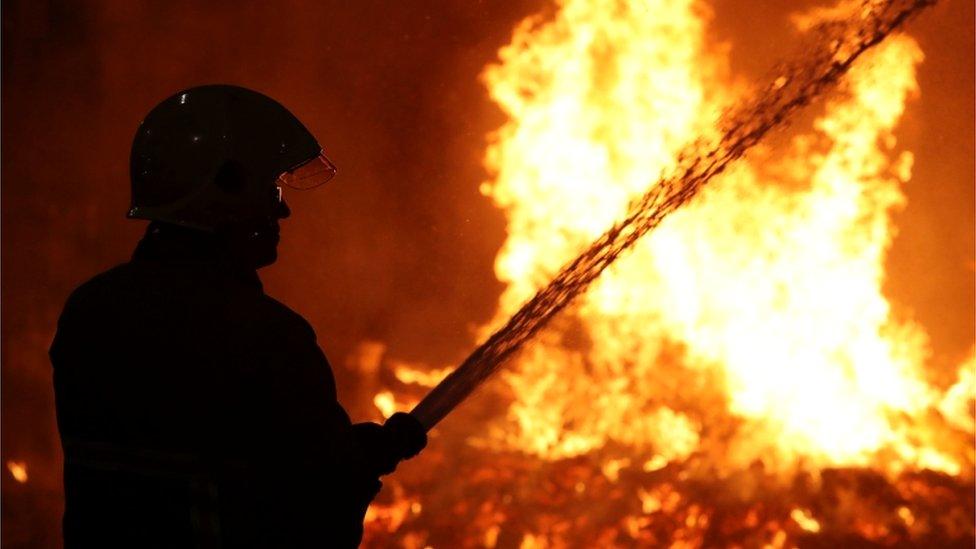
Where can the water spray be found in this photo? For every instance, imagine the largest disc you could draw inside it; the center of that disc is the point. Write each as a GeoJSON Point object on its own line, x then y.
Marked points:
{"type": "Point", "coordinates": [792, 85]}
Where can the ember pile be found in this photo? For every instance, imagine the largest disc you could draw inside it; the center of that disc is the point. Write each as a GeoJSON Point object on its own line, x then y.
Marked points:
{"type": "Point", "coordinates": [738, 378]}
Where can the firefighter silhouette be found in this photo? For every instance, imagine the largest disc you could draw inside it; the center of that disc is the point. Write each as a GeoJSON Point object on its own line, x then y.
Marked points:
{"type": "Point", "coordinates": [193, 409]}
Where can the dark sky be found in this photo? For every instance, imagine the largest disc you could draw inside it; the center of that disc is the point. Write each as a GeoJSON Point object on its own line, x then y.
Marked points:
{"type": "Point", "coordinates": [399, 247]}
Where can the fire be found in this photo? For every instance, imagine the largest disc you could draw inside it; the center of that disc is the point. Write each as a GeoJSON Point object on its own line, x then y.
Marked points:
{"type": "Point", "coordinates": [803, 518]}
{"type": "Point", "coordinates": [385, 403]}
{"type": "Point", "coordinates": [600, 100]}
{"type": "Point", "coordinates": [737, 379]}
{"type": "Point", "coordinates": [768, 287]}
{"type": "Point", "coordinates": [18, 470]}
{"type": "Point", "coordinates": [390, 517]}
{"type": "Point", "coordinates": [958, 405]}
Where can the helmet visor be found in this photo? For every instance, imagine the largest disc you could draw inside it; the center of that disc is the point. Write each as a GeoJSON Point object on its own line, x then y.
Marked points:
{"type": "Point", "coordinates": [309, 174]}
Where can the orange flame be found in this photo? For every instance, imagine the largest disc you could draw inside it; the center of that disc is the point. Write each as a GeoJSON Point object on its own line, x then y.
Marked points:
{"type": "Point", "coordinates": [769, 286]}
{"type": "Point", "coordinates": [744, 341]}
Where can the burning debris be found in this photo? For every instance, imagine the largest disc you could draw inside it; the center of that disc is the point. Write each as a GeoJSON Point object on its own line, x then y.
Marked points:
{"type": "Point", "coordinates": [737, 378]}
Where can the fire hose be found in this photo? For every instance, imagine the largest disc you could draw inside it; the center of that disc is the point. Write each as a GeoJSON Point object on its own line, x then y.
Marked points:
{"type": "Point", "coordinates": [792, 85]}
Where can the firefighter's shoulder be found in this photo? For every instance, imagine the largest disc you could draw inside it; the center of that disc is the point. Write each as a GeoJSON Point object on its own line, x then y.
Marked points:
{"type": "Point", "coordinates": [95, 288]}
{"type": "Point", "coordinates": [281, 317]}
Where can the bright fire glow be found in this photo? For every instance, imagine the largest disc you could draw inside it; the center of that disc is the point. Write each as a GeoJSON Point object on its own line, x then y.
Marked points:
{"type": "Point", "coordinates": [739, 378]}
{"type": "Point", "coordinates": [18, 470]}
{"type": "Point", "coordinates": [385, 403]}
{"type": "Point", "coordinates": [761, 301]}
{"type": "Point", "coordinates": [805, 520]}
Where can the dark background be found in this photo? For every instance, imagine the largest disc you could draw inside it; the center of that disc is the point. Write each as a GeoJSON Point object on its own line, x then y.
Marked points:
{"type": "Point", "coordinates": [399, 248]}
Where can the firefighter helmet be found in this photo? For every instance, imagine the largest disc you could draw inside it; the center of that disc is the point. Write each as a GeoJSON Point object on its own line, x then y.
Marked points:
{"type": "Point", "coordinates": [215, 155]}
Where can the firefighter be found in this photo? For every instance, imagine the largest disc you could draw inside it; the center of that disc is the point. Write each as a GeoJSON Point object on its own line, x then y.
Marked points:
{"type": "Point", "coordinates": [193, 409]}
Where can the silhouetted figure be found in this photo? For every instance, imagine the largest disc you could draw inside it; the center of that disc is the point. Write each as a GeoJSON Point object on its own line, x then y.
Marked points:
{"type": "Point", "coordinates": [194, 410]}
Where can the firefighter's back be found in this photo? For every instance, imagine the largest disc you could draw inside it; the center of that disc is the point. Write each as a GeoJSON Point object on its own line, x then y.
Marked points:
{"type": "Point", "coordinates": [177, 381]}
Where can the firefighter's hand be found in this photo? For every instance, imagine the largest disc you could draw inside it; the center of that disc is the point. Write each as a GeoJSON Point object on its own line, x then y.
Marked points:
{"type": "Point", "coordinates": [384, 446]}
{"type": "Point", "coordinates": [407, 434]}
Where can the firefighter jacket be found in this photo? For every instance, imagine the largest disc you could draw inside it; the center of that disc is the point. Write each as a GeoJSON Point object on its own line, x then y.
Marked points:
{"type": "Point", "coordinates": [196, 411]}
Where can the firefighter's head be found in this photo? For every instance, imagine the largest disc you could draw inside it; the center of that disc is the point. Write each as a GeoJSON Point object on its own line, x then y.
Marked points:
{"type": "Point", "coordinates": [215, 158]}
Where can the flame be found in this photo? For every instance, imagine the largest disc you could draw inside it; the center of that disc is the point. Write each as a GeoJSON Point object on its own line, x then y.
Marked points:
{"type": "Point", "coordinates": [805, 519]}
{"type": "Point", "coordinates": [600, 101]}
{"type": "Point", "coordinates": [385, 403]}
{"type": "Point", "coordinates": [18, 470]}
{"type": "Point", "coordinates": [389, 516]}
{"type": "Point", "coordinates": [959, 402]}
{"type": "Point", "coordinates": [410, 374]}
{"type": "Point", "coordinates": [388, 404]}
{"type": "Point", "coordinates": [739, 378]}
{"type": "Point", "coordinates": [769, 287]}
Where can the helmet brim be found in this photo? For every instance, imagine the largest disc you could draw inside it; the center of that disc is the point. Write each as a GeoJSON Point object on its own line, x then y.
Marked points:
{"type": "Point", "coordinates": [309, 174]}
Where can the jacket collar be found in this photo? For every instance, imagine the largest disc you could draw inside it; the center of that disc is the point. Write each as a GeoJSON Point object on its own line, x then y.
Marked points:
{"type": "Point", "coordinates": [192, 249]}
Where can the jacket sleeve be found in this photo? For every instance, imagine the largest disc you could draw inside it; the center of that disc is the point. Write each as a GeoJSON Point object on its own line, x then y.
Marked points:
{"type": "Point", "coordinates": [300, 388]}
{"type": "Point", "coordinates": [319, 463]}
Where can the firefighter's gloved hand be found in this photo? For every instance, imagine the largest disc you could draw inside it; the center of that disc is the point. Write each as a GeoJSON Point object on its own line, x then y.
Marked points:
{"type": "Point", "coordinates": [384, 446]}
{"type": "Point", "coordinates": [408, 435]}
